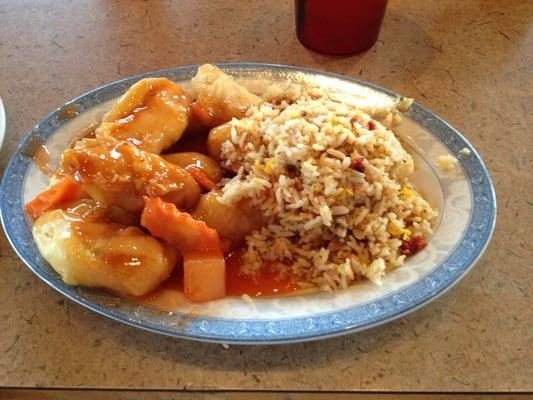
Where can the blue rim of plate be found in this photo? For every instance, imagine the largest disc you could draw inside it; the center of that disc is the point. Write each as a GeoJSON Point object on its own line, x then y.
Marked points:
{"type": "Point", "coordinates": [2, 122]}
{"type": "Point", "coordinates": [319, 326]}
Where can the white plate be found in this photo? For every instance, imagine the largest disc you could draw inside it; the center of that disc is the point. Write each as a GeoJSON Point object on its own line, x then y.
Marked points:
{"type": "Point", "coordinates": [465, 200]}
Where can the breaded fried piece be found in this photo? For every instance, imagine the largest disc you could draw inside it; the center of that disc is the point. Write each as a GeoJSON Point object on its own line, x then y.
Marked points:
{"type": "Point", "coordinates": [85, 248]}
{"type": "Point", "coordinates": [218, 97]}
{"type": "Point", "coordinates": [118, 173]}
{"type": "Point", "coordinates": [152, 115]}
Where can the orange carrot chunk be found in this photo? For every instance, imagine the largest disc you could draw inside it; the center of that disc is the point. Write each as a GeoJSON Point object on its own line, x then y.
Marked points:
{"type": "Point", "coordinates": [178, 228]}
{"type": "Point", "coordinates": [62, 191]}
{"type": "Point", "coordinates": [201, 178]}
{"type": "Point", "coordinates": [204, 276]}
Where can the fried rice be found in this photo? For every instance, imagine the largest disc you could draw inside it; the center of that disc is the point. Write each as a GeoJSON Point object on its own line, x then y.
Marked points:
{"type": "Point", "coordinates": [335, 186]}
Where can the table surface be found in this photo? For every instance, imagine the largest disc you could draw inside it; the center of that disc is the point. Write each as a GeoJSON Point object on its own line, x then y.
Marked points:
{"type": "Point", "coordinates": [468, 61]}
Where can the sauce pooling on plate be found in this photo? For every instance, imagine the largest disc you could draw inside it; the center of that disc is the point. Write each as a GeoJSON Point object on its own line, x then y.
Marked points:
{"type": "Point", "coordinates": [169, 295]}
{"type": "Point", "coordinates": [42, 160]}
{"type": "Point", "coordinates": [264, 283]}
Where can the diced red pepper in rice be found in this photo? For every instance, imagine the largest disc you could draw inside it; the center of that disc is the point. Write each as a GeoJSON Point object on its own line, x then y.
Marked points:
{"type": "Point", "coordinates": [372, 125]}
{"type": "Point", "coordinates": [358, 163]}
{"type": "Point", "coordinates": [413, 244]}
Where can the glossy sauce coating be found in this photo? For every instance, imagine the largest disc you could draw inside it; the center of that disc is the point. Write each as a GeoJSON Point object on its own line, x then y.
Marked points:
{"type": "Point", "coordinates": [90, 222]}
{"type": "Point", "coordinates": [152, 115]}
{"type": "Point", "coordinates": [68, 111]}
{"type": "Point", "coordinates": [112, 242]}
{"type": "Point", "coordinates": [82, 244]}
{"type": "Point", "coordinates": [232, 222]}
{"type": "Point", "coordinates": [265, 283]}
{"type": "Point", "coordinates": [42, 160]}
{"type": "Point", "coordinates": [118, 173]}
{"type": "Point", "coordinates": [200, 161]}
{"type": "Point", "coordinates": [217, 137]}
{"type": "Point", "coordinates": [169, 295]}
{"type": "Point", "coordinates": [123, 164]}
{"type": "Point", "coordinates": [87, 132]}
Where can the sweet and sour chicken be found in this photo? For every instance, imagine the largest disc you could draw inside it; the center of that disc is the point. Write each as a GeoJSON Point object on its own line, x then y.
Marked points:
{"type": "Point", "coordinates": [122, 214]}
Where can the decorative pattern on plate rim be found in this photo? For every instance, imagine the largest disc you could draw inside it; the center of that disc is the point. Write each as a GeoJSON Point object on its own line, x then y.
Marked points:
{"type": "Point", "coordinates": [350, 319]}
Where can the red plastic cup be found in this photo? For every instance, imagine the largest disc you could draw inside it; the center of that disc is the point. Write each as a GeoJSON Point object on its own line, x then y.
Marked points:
{"type": "Point", "coordinates": [339, 27]}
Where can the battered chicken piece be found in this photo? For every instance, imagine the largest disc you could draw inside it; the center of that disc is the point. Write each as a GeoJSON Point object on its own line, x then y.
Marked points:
{"type": "Point", "coordinates": [218, 97]}
{"type": "Point", "coordinates": [216, 138]}
{"type": "Point", "coordinates": [85, 248]}
{"type": "Point", "coordinates": [118, 173]}
{"type": "Point", "coordinates": [231, 222]}
{"type": "Point", "coordinates": [152, 114]}
{"type": "Point", "coordinates": [200, 161]}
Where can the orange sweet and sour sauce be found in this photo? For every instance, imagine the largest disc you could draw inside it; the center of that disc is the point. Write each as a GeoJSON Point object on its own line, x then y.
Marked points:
{"type": "Point", "coordinates": [169, 295]}
{"type": "Point", "coordinates": [265, 283]}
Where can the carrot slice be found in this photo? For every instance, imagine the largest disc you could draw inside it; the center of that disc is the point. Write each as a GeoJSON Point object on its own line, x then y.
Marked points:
{"type": "Point", "coordinates": [204, 276]}
{"type": "Point", "coordinates": [180, 229]}
{"type": "Point", "coordinates": [64, 190]}
{"type": "Point", "coordinates": [201, 177]}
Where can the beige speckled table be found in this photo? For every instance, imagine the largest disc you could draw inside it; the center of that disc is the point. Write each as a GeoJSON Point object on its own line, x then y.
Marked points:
{"type": "Point", "coordinates": [469, 61]}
